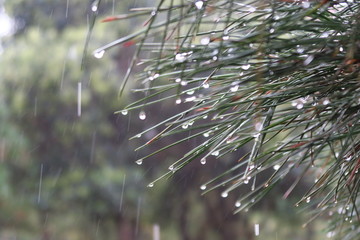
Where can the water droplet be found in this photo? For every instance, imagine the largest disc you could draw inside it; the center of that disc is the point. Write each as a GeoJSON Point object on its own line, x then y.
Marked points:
{"type": "Point", "coordinates": [190, 99]}
{"type": "Point", "coordinates": [252, 9]}
{"type": "Point", "coordinates": [276, 167]}
{"type": "Point", "coordinates": [330, 234]}
{"type": "Point", "coordinates": [199, 4]}
{"type": "Point", "coordinates": [224, 194]}
{"type": "Point", "coordinates": [150, 185]}
{"type": "Point", "coordinates": [225, 38]}
{"type": "Point", "coordinates": [178, 101]}
{"type": "Point", "coordinates": [237, 204]}
{"type": "Point", "coordinates": [326, 101]}
{"type": "Point", "coordinates": [257, 229]}
{"type": "Point", "coordinates": [180, 57]}
{"type": "Point", "coordinates": [205, 41]}
{"type": "Point", "coordinates": [178, 80]}
{"type": "Point", "coordinates": [139, 162]}
{"type": "Point", "coordinates": [153, 13]}
{"type": "Point", "coordinates": [190, 92]}
{"type": "Point", "coordinates": [245, 67]}
{"type": "Point", "coordinates": [99, 54]}
{"type": "Point", "coordinates": [124, 112]}
{"type": "Point", "coordinates": [156, 75]}
{"type": "Point", "coordinates": [215, 58]}
{"type": "Point", "coordinates": [203, 161]}
{"type": "Point", "coordinates": [341, 49]}
{"type": "Point", "coordinates": [305, 4]}
{"type": "Point", "coordinates": [203, 187]}
{"type": "Point", "coordinates": [205, 85]}
{"type": "Point", "coordinates": [272, 30]}
{"type": "Point", "coordinates": [251, 166]}
{"type": "Point", "coordinates": [299, 49]}
{"type": "Point", "coordinates": [215, 153]}
{"type": "Point", "coordinates": [207, 134]}
{"type": "Point", "coordinates": [234, 88]}
{"type": "Point", "coordinates": [142, 115]}
{"type": "Point", "coordinates": [185, 126]}
{"type": "Point", "coordinates": [171, 167]}
{"type": "Point", "coordinates": [94, 7]}
{"type": "Point", "coordinates": [308, 60]}
{"type": "Point", "coordinates": [205, 116]}
{"type": "Point", "coordinates": [308, 199]}
{"type": "Point", "coordinates": [246, 181]}
{"type": "Point", "coordinates": [183, 83]}
{"type": "Point", "coordinates": [138, 135]}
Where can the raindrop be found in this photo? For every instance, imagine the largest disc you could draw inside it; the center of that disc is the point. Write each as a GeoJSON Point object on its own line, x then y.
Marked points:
{"type": "Point", "coordinates": [183, 83]}
{"type": "Point", "coordinates": [326, 101]}
{"type": "Point", "coordinates": [225, 38]}
{"type": "Point", "coordinates": [257, 229]}
{"type": "Point", "coordinates": [185, 126]}
{"type": "Point", "coordinates": [180, 57]}
{"type": "Point", "coordinates": [138, 135]}
{"type": "Point", "coordinates": [156, 75]}
{"type": "Point", "coordinates": [153, 13]}
{"type": "Point", "coordinates": [205, 116]}
{"type": "Point", "coordinates": [203, 161]}
{"type": "Point", "coordinates": [308, 60]}
{"type": "Point", "coordinates": [234, 88]}
{"type": "Point", "coordinates": [246, 181]}
{"type": "Point", "coordinates": [190, 99]}
{"type": "Point", "coordinates": [178, 80]}
{"type": "Point", "coordinates": [308, 199]}
{"type": "Point", "coordinates": [205, 41]}
{"type": "Point", "coordinates": [94, 7]}
{"type": "Point", "coordinates": [79, 99]}
{"type": "Point", "coordinates": [272, 30]}
{"type": "Point", "coordinates": [99, 54]}
{"type": "Point", "coordinates": [171, 167]}
{"type": "Point", "coordinates": [251, 166]}
{"type": "Point", "coordinates": [150, 185]}
{"type": "Point", "coordinates": [199, 4]}
{"type": "Point", "coordinates": [139, 162]}
{"type": "Point", "coordinates": [178, 101]}
{"type": "Point", "coordinates": [124, 112]}
{"type": "Point", "coordinates": [252, 9]}
{"type": "Point", "coordinates": [215, 153]}
{"type": "Point", "coordinates": [276, 167]}
{"type": "Point", "coordinates": [142, 115]}
{"type": "Point", "coordinates": [305, 4]}
{"type": "Point", "coordinates": [215, 58]}
{"type": "Point", "coordinates": [203, 187]}
{"type": "Point", "coordinates": [341, 49]}
{"type": "Point", "coordinates": [205, 85]}
{"type": "Point", "coordinates": [207, 134]}
{"type": "Point", "coordinates": [237, 204]}
{"type": "Point", "coordinates": [245, 67]}
{"type": "Point", "coordinates": [191, 92]}
{"type": "Point", "coordinates": [224, 194]}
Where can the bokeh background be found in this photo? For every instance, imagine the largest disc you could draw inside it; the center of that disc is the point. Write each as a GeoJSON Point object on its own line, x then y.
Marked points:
{"type": "Point", "coordinates": [70, 174]}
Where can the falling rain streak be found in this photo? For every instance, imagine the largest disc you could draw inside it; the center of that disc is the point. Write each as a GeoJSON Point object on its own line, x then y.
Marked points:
{"type": "Point", "coordinates": [79, 99]}
{"type": "Point", "coordinates": [138, 216]}
{"type": "Point", "coordinates": [122, 193]}
{"type": "Point", "coordinates": [257, 229]}
{"type": "Point", "coordinates": [40, 183]}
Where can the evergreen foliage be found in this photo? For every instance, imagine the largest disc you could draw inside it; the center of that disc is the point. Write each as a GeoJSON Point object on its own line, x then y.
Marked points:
{"type": "Point", "coordinates": [278, 77]}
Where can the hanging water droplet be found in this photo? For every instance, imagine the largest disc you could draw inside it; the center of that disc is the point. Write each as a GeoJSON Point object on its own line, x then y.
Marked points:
{"type": "Point", "coordinates": [205, 41]}
{"type": "Point", "coordinates": [305, 4]}
{"type": "Point", "coordinates": [178, 80]}
{"type": "Point", "coordinates": [203, 187]}
{"type": "Point", "coordinates": [272, 30]}
{"type": "Point", "coordinates": [199, 4]}
{"type": "Point", "coordinates": [207, 134]}
{"type": "Point", "coordinates": [185, 126]}
{"type": "Point", "coordinates": [142, 115]}
{"type": "Point", "coordinates": [183, 83]}
{"type": "Point", "coordinates": [190, 99]}
{"type": "Point", "coordinates": [245, 67]}
{"type": "Point", "coordinates": [205, 116]}
{"type": "Point", "coordinates": [99, 54]}
{"type": "Point", "coordinates": [276, 167]}
{"type": "Point", "coordinates": [251, 166]}
{"type": "Point", "coordinates": [150, 185]}
{"type": "Point", "coordinates": [308, 199]}
{"type": "Point", "coordinates": [246, 181]}
{"type": "Point", "coordinates": [326, 101]}
{"type": "Point", "coordinates": [237, 204]}
{"type": "Point", "coordinates": [215, 153]}
{"type": "Point", "coordinates": [139, 162]}
{"type": "Point", "coordinates": [190, 92]}
{"type": "Point", "coordinates": [330, 234]}
{"type": "Point", "coordinates": [225, 38]}
{"type": "Point", "coordinates": [94, 6]}
{"type": "Point", "coordinates": [308, 60]}
{"type": "Point", "coordinates": [203, 161]}
{"type": "Point", "coordinates": [252, 9]}
{"type": "Point", "coordinates": [180, 57]}
{"type": "Point", "coordinates": [341, 49]}
{"type": "Point", "coordinates": [214, 58]}
{"type": "Point", "coordinates": [124, 112]}
{"type": "Point", "coordinates": [153, 13]}
{"type": "Point", "coordinates": [205, 85]}
{"type": "Point", "coordinates": [171, 167]}
{"type": "Point", "coordinates": [234, 88]}
{"type": "Point", "coordinates": [138, 135]}
{"type": "Point", "coordinates": [299, 49]}
{"type": "Point", "coordinates": [178, 101]}
{"type": "Point", "coordinates": [224, 194]}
